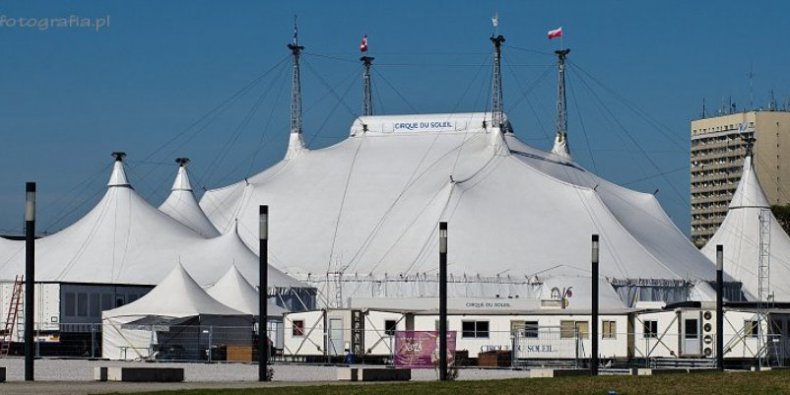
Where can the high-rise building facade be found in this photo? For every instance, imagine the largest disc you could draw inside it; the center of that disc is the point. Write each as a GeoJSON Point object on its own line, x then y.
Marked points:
{"type": "Point", "coordinates": [718, 147]}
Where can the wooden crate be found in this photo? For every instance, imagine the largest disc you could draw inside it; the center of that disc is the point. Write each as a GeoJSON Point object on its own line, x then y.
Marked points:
{"type": "Point", "coordinates": [494, 358]}
{"type": "Point", "coordinates": [241, 353]}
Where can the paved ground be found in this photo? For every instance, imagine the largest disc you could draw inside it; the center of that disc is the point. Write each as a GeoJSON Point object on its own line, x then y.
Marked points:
{"type": "Point", "coordinates": [76, 376]}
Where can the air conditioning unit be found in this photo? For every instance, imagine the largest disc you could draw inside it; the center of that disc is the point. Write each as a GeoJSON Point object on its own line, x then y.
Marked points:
{"type": "Point", "coordinates": [708, 333]}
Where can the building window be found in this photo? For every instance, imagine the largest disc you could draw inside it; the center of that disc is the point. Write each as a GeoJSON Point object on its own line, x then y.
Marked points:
{"type": "Point", "coordinates": [650, 329]}
{"type": "Point", "coordinates": [390, 326]}
{"type": "Point", "coordinates": [750, 328]}
{"type": "Point", "coordinates": [95, 306]}
{"type": "Point", "coordinates": [531, 329]}
{"type": "Point", "coordinates": [609, 329]}
{"type": "Point", "coordinates": [82, 304]}
{"type": "Point", "coordinates": [474, 329]}
{"type": "Point", "coordinates": [71, 305]}
{"type": "Point", "coordinates": [298, 328]}
{"type": "Point", "coordinates": [569, 329]}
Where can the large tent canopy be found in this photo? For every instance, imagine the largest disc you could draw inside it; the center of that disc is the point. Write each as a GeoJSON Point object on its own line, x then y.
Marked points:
{"type": "Point", "coordinates": [364, 213]}
{"type": "Point", "coordinates": [739, 234]}
{"type": "Point", "coordinates": [125, 240]}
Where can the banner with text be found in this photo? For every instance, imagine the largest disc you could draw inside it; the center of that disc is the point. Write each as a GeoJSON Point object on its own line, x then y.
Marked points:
{"type": "Point", "coordinates": [420, 349]}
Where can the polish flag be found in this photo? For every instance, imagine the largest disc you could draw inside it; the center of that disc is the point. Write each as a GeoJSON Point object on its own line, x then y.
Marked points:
{"type": "Point", "coordinates": [555, 33]}
{"type": "Point", "coordinates": [363, 46]}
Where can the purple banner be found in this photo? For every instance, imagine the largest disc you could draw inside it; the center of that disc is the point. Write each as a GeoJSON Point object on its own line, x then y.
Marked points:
{"type": "Point", "coordinates": [420, 349]}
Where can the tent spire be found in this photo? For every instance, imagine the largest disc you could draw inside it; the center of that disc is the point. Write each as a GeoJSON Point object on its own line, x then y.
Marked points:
{"type": "Point", "coordinates": [118, 176]}
{"type": "Point", "coordinates": [181, 182]}
{"type": "Point", "coordinates": [561, 147]}
{"type": "Point", "coordinates": [296, 142]}
{"type": "Point", "coordinates": [367, 96]}
{"type": "Point", "coordinates": [497, 104]}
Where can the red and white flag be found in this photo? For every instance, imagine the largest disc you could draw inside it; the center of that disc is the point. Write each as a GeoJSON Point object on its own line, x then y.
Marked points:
{"type": "Point", "coordinates": [555, 33]}
{"type": "Point", "coordinates": [363, 46]}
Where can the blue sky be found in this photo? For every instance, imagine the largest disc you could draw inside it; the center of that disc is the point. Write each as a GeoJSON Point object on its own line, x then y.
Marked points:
{"type": "Point", "coordinates": [70, 96]}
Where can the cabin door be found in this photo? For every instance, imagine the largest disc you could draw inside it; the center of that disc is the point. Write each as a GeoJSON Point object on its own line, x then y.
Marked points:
{"type": "Point", "coordinates": [335, 343]}
{"type": "Point", "coordinates": [690, 339]}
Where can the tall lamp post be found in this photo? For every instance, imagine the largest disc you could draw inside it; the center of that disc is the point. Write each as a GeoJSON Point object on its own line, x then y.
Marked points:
{"type": "Point", "coordinates": [263, 281]}
{"type": "Point", "coordinates": [720, 306]}
{"type": "Point", "coordinates": [594, 332]}
{"type": "Point", "coordinates": [443, 301]}
{"type": "Point", "coordinates": [30, 276]}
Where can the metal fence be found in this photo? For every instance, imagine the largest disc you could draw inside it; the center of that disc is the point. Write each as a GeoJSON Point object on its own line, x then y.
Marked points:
{"type": "Point", "coordinates": [549, 346]}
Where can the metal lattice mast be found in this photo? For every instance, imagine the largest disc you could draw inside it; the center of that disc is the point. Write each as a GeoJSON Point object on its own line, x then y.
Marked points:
{"type": "Point", "coordinates": [562, 103]}
{"type": "Point", "coordinates": [296, 86]}
{"type": "Point", "coordinates": [764, 260]}
{"type": "Point", "coordinates": [497, 103]}
{"type": "Point", "coordinates": [367, 95]}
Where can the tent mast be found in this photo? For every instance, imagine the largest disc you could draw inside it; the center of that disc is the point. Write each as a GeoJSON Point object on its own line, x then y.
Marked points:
{"type": "Point", "coordinates": [561, 139]}
{"type": "Point", "coordinates": [367, 96]}
{"type": "Point", "coordinates": [497, 103]}
{"type": "Point", "coordinates": [296, 142]}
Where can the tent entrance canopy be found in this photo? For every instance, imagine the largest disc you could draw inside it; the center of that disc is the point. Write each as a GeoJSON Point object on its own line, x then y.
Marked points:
{"type": "Point", "coordinates": [158, 323]}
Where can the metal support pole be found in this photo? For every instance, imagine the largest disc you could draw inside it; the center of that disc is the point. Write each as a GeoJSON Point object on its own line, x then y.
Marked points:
{"type": "Point", "coordinates": [263, 335]}
{"type": "Point", "coordinates": [719, 306]}
{"type": "Point", "coordinates": [30, 277]}
{"type": "Point", "coordinates": [594, 331]}
{"type": "Point", "coordinates": [443, 301]}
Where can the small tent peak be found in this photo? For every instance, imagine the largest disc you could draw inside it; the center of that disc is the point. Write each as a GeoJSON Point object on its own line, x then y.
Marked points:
{"type": "Point", "coordinates": [749, 192]}
{"type": "Point", "coordinates": [181, 182]}
{"type": "Point", "coordinates": [118, 176]}
{"type": "Point", "coordinates": [561, 147]}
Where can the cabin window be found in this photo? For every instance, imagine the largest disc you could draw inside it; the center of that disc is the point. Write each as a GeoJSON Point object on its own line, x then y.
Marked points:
{"type": "Point", "coordinates": [298, 328]}
{"type": "Point", "coordinates": [474, 329]}
{"type": "Point", "coordinates": [569, 329]}
{"type": "Point", "coordinates": [609, 329]}
{"type": "Point", "coordinates": [750, 328]}
{"type": "Point", "coordinates": [390, 326]}
{"type": "Point", "coordinates": [531, 329]}
{"type": "Point", "coordinates": [650, 329]}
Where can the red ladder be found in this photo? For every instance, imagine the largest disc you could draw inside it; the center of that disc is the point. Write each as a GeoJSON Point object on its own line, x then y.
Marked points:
{"type": "Point", "coordinates": [11, 317]}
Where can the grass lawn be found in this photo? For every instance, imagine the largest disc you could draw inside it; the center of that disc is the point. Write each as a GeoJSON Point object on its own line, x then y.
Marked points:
{"type": "Point", "coordinates": [773, 382]}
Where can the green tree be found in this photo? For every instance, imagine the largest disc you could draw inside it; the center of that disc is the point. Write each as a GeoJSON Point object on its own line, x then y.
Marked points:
{"type": "Point", "coordinates": [782, 214]}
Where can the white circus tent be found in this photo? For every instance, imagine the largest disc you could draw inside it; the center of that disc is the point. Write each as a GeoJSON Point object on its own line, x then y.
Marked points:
{"type": "Point", "coordinates": [172, 313]}
{"type": "Point", "coordinates": [234, 291]}
{"type": "Point", "coordinates": [182, 206]}
{"type": "Point", "coordinates": [359, 218]}
{"type": "Point", "coordinates": [124, 240]}
{"type": "Point", "coordinates": [740, 235]}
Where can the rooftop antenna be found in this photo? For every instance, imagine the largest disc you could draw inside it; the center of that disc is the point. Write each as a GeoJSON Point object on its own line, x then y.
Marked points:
{"type": "Point", "coordinates": [772, 104]}
{"type": "Point", "coordinates": [703, 108]}
{"type": "Point", "coordinates": [497, 98]}
{"type": "Point", "coordinates": [296, 142]}
{"type": "Point", "coordinates": [367, 61]}
{"type": "Point", "coordinates": [561, 140]}
{"type": "Point", "coordinates": [119, 155]}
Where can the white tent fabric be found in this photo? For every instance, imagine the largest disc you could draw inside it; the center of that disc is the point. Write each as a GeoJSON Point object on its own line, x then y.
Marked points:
{"type": "Point", "coordinates": [234, 291]}
{"type": "Point", "coordinates": [368, 208]}
{"type": "Point", "coordinates": [561, 147]}
{"type": "Point", "coordinates": [739, 233]}
{"type": "Point", "coordinates": [124, 240]}
{"type": "Point", "coordinates": [177, 296]}
{"type": "Point", "coordinates": [182, 206]}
